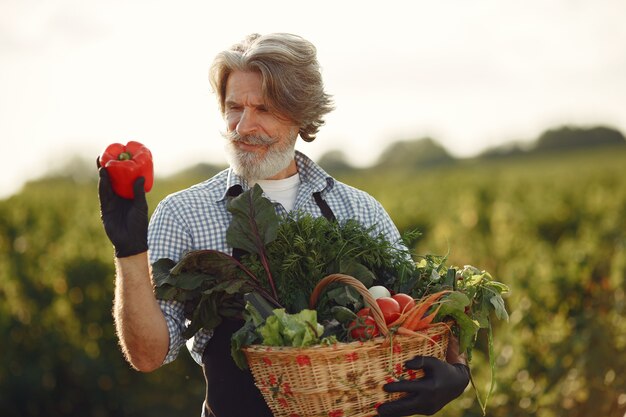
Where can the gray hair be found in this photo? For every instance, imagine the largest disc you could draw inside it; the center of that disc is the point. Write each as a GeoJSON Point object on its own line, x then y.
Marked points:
{"type": "Point", "coordinates": [292, 82]}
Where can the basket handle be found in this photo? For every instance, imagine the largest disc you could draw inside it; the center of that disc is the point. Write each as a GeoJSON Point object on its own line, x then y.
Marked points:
{"type": "Point", "coordinates": [375, 310]}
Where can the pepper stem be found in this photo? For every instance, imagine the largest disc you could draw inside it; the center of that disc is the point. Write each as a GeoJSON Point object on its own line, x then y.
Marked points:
{"type": "Point", "coordinates": [124, 156]}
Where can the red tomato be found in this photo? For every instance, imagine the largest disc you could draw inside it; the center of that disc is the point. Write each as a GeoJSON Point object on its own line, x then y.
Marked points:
{"type": "Point", "coordinates": [390, 308]}
{"type": "Point", "coordinates": [363, 328]}
{"type": "Point", "coordinates": [406, 301]}
{"type": "Point", "coordinates": [364, 312]}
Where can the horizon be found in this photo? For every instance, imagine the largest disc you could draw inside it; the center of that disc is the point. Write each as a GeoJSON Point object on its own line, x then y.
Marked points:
{"type": "Point", "coordinates": [76, 166]}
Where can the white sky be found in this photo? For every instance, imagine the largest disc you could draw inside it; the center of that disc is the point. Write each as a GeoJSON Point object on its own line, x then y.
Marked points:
{"type": "Point", "coordinates": [76, 75]}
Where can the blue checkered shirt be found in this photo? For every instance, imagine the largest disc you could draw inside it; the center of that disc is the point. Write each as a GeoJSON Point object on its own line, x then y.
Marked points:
{"type": "Point", "coordinates": [197, 218]}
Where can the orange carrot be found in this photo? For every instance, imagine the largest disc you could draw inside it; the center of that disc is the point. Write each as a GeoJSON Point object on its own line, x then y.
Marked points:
{"type": "Point", "coordinates": [403, 316]}
{"type": "Point", "coordinates": [426, 320]}
{"type": "Point", "coordinates": [417, 313]}
{"type": "Point", "coordinates": [405, 332]}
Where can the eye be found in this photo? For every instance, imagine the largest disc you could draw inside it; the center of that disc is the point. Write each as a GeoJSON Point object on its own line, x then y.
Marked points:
{"type": "Point", "coordinates": [232, 107]}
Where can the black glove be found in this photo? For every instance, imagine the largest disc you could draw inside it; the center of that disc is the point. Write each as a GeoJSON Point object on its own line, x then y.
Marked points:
{"type": "Point", "coordinates": [440, 384]}
{"type": "Point", "coordinates": [125, 221]}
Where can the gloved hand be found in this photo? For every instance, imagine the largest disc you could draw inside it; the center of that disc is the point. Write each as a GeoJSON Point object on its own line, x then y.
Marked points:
{"type": "Point", "coordinates": [125, 221]}
{"type": "Point", "coordinates": [441, 383]}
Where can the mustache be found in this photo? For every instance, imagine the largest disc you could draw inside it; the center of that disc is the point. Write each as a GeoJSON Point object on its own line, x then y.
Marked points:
{"type": "Point", "coordinates": [249, 139]}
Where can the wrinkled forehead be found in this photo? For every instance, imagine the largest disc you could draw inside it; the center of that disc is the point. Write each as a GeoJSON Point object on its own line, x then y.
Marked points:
{"type": "Point", "coordinates": [244, 86]}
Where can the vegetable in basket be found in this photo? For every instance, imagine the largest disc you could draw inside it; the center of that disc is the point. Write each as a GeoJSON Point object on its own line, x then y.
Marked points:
{"type": "Point", "coordinates": [312, 248]}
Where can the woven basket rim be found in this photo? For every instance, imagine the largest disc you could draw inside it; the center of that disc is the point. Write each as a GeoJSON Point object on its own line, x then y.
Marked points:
{"type": "Point", "coordinates": [434, 330]}
{"type": "Point", "coordinates": [370, 301]}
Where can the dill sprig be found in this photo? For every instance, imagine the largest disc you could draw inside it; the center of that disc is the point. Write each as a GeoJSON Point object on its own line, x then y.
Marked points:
{"type": "Point", "coordinates": [306, 249]}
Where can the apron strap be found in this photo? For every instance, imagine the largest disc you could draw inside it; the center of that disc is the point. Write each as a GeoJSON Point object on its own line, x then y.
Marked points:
{"type": "Point", "coordinates": [323, 205]}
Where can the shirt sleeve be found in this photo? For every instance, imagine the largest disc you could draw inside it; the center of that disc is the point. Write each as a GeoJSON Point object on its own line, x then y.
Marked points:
{"type": "Point", "coordinates": [175, 319]}
{"type": "Point", "coordinates": [168, 237]}
{"type": "Point", "coordinates": [387, 227]}
{"type": "Point", "coordinates": [173, 312]}
{"type": "Point", "coordinates": [168, 234]}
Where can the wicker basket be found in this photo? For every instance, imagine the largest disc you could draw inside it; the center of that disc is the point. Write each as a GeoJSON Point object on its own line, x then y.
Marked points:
{"type": "Point", "coordinates": [344, 379]}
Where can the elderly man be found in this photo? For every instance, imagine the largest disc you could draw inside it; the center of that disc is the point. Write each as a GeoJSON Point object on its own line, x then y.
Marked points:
{"type": "Point", "coordinates": [270, 91]}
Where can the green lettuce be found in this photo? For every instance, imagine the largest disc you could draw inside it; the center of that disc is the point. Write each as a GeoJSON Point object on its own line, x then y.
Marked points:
{"type": "Point", "coordinates": [297, 330]}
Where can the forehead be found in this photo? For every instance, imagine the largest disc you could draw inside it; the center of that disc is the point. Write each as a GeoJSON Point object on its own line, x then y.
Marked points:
{"type": "Point", "coordinates": [244, 86]}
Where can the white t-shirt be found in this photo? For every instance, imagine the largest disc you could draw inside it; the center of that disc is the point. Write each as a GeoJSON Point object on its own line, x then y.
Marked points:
{"type": "Point", "coordinates": [283, 191]}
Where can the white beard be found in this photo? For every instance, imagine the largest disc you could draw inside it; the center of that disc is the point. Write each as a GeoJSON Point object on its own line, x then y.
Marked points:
{"type": "Point", "coordinates": [253, 167]}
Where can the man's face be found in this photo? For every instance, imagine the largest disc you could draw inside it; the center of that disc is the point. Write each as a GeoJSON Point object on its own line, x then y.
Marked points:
{"type": "Point", "coordinates": [260, 145]}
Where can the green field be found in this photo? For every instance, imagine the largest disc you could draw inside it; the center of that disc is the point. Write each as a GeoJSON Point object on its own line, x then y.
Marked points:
{"type": "Point", "coordinates": [552, 226]}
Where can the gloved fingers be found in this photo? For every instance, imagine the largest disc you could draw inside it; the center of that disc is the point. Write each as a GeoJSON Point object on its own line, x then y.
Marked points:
{"type": "Point", "coordinates": [462, 375]}
{"type": "Point", "coordinates": [138, 189]}
{"type": "Point", "coordinates": [98, 162]}
{"type": "Point", "coordinates": [105, 190]}
{"type": "Point", "coordinates": [402, 407]}
{"type": "Point", "coordinates": [463, 369]}
{"type": "Point", "coordinates": [139, 202]}
{"type": "Point", "coordinates": [138, 186]}
{"type": "Point", "coordinates": [442, 382]}
{"type": "Point", "coordinates": [416, 385]}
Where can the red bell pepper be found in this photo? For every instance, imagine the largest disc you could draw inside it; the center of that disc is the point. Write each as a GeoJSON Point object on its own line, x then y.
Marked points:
{"type": "Point", "coordinates": [126, 163]}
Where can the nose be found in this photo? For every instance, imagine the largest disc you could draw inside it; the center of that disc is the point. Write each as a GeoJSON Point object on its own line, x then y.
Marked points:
{"type": "Point", "coordinates": [247, 123]}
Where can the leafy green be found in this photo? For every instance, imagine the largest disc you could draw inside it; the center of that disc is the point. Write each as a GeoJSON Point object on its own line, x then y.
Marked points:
{"type": "Point", "coordinates": [307, 248]}
{"type": "Point", "coordinates": [476, 297]}
{"type": "Point", "coordinates": [298, 330]}
{"type": "Point", "coordinates": [253, 226]}
{"type": "Point", "coordinates": [247, 335]}
{"type": "Point", "coordinates": [254, 223]}
{"type": "Point", "coordinates": [278, 329]}
{"type": "Point", "coordinates": [212, 283]}
{"type": "Point", "coordinates": [454, 305]}
{"type": "Point", "coordinates": [261, 307]}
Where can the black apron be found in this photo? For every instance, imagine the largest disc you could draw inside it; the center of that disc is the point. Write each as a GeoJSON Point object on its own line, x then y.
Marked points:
{"type": "Point", "coordinates": [230, 391]}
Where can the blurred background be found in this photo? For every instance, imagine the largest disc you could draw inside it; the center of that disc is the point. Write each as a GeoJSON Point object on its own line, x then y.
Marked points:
{"type": "Point", "coordinates": [501, 124]}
